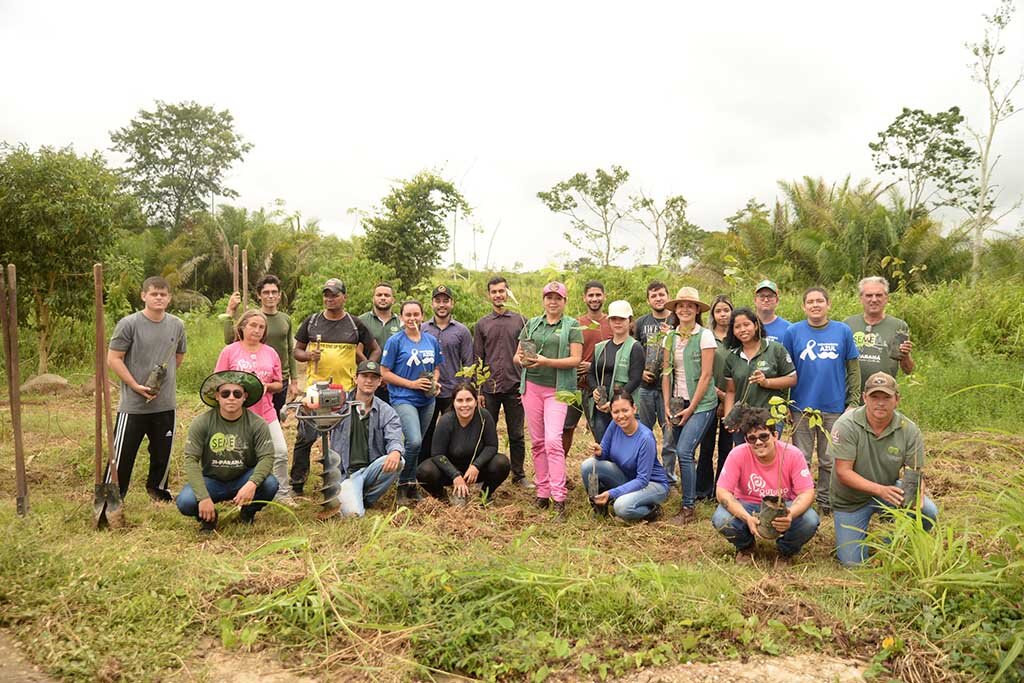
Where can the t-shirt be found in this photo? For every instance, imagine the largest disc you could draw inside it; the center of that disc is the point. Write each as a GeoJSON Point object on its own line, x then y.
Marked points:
{"type": "Point", "coordinates": [772, 359]}
{"type": "Point", "coordinates": [148, 344]}
{"type": "Point", "coordinates": [820, 355]}
{"type": "Point", "coordinates": [547, 337]}
{"type": "Point", "coordinates": [602, 370]}
{"type": "Point", "coordinates": [381, 331]}
{"type": "Point", "coordinates": [337, 347]}
{"type": "Point", "coordinates": [411, 360]}
{"type": "Point", "coordinates": [224, 449]}
{"type": "Point", "coordinates": [636, 455]}
{"type": "Point", "coordinates": [264, 363]}
{"type": "Point", "coordinates": [707, 341]}
{"type": "Point", "coordinates": [359, 441]}
{"type": "Point", "coordinates": [776, 329]}
{"type": "Point", "coordinates": [645, 331]}
{"type": "Point", "coordinates": [591, 337]}
{"type": "Point", "coordinates": [876, 458]}
{"type": "Point", "coordinates": [279, 338]}
{"type": "Point", "coordinates": [456, 447]}
{"type": "Point", "coordinates": [875, 342]}
{"type": "Point", "coordinates": [750, 480]}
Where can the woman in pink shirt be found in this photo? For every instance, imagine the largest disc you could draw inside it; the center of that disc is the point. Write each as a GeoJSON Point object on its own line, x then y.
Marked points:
{"type": "Point", "coordinates": [250, 354]}
{"type": "Point", "coordinates": [764, 466]}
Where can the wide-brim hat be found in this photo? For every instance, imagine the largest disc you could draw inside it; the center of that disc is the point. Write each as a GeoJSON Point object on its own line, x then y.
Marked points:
{"type": "Point", "coordinates": [252, 384]}
{"type": "Point", "coordinates": [688, 294]}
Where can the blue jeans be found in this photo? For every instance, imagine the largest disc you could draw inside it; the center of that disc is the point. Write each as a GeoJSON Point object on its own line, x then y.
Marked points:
{"type": "Point", "coordinates": [651, 409]}
{"type": "Point", "coordinates": [220, 491]}
{"type": "Point", "coordinates": [801, 530]}
{"type": "Point", "coordinates": [690, 435]}
{"type": "Point", "coordinates": [415, 420]}
{"type": "Point", "coordinates": [364, 487]}
{"type": "Point", "coordinates": [635, 505]}
{"type": "Point", "coordinates": [852, 528]}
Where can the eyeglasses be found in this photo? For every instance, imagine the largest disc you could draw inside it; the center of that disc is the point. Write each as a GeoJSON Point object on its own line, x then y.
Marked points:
{"type": "Point", "coordinates": [231, 393]}
{"type": "Point", "coordinates": [766, 296]}
{"type": "Point", "coordinates": [763, 437]}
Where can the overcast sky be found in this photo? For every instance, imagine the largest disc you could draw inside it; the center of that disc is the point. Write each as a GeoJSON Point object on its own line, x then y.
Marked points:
{"type": "Point", "coordinates": [716, 103]}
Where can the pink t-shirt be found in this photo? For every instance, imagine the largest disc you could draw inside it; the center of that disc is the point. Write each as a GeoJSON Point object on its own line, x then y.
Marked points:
{"type": "Point", "coordinates": [264, 363]}
{"type": "Point", "coordinates": [750, 481]}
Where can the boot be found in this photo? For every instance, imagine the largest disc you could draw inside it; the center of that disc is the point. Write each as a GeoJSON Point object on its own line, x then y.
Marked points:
{"type": "Point", "coordinates": [560, 511]}
{"type": "Point", "coordinates": [542, 503]}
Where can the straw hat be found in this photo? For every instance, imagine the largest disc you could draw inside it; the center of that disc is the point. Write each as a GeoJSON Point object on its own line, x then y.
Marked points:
{"type": "Point", "coordinates": [252, 384]}
{"type": "Point", "coordinates": [688, 294]}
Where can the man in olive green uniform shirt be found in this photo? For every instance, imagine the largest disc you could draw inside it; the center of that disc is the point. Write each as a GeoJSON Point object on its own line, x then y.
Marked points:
{"type": "Point", "coordinates": [883, 341]}
{"type": "Point", "coordinates": [382, 323]}
{"type": "Point", "coordinates": [871, 446]}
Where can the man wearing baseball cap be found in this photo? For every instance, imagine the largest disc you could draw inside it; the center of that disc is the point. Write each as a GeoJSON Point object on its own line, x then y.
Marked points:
{"type": "Point", "coordinates": [456, 348]}
{"type": "Point", "coordinates": [766, 300]}
{"type": "Point", "coordinates": [872, 445]}
{"type": "Point", "coordinates": [229, 453]}
{"type": "Point", "coordinates": [326, 342]}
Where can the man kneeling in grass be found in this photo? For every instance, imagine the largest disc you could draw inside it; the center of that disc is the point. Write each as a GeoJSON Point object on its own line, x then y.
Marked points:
{"type": "Point", "coordinates": [229, 453]}
{"type": "Point", "coordinates": [872, 445]}
{"type": "Point", "coordinates": [630, 478]}
{"type": "Point", "coordinates": [764, 467]}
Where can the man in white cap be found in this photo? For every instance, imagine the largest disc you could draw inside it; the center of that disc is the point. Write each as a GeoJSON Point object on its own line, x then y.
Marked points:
{"type": "Point", "coordinates": [872, 446]}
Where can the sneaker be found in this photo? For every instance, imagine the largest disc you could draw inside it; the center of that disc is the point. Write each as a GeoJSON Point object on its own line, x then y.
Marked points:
{"type": "Point", "coordinates": [686, 516]}
{"type": "Point", "coordinates": [560, 515]}
{"type": "Point", "coordinates": [403, 498]}
{"type": "Point", "coordinates": [159, 495]}
{"type": "Point", "coordinates": [745, 557]}
{"type": "Point", "coordinates": [654, 515]}
{"type": "Point", "coordinates": [415, 493]}
{"type": "Point", "coordinates": [783, 561]}
{"type": "Point", "coordinates": [288, 500]}
{"type": "Point", "coordinates": [542, 503]}
{"type": "Point", "coordinates": [248, 517]}
{"type": "Point", "coordinates": [297, 489]}
{"type": "Point", "coordinates": [524, 483]}
{"type": "Point", "coordinates": [208, 527]}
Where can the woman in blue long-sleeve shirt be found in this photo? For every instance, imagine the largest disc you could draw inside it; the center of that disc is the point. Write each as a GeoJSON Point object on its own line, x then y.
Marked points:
{"type": "Point", "coordinates": [630, 477]}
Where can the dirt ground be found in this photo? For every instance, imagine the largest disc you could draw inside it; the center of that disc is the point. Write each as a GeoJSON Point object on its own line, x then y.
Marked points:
{"type": "Point", "coordinates": [14, 666]}
{"type": "Point", "coordinates": [795, 669]}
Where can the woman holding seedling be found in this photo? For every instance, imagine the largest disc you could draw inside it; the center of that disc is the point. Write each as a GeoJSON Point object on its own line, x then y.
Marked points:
{"type": "Point", "coordinates": [629, 476]}
{"type": "Point", "coordinates": [687, 385]}
{"type": "Point", "coordinates": [707, 472]}
{"type": "Point", "coordinates": [756, 369]}
{"type": "Point", "coordinates": [618, 364]}
{"type": "Point", "coordinates": [550, 349]}
{"type": "Point", "coordinates": [411, 366]}
{"type": "Point", "coordinates": [250, 354]}
{"type": "Point", "coordinates": [464, 450]}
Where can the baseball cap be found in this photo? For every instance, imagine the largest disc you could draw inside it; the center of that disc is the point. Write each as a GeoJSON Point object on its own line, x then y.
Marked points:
{"type": "Point", "coordinates": [557, 288]}
{"type": "Point", "coordinates": [334, 285]}
{"type": "Point", "coordinates": [442, 290]}
{"type": "Point", "coordinates": [369, 366]}
{"type": "Point", "coordinates": [620, 309]}
{"type": "Point", "coordinates": [766, 284]}
{"type": "Point", "coordinates": [881, 381]}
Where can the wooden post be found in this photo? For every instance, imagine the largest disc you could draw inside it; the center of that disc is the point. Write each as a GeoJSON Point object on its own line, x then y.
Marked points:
{"type": "Point", "coordinates": [10, 330]}
{"type": "Point", "coordinates": [97, 279]}
{"type": "Point", "coordinates": [234, 269]}
{"type": "Point", "coordinates": [245, 280]}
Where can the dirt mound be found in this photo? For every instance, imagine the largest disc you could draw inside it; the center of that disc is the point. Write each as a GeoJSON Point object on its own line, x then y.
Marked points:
{"type": "Point", "coordinates": [795, 669]}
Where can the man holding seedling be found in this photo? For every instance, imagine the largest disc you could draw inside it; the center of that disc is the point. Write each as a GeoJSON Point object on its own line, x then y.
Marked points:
{"type": "Point", "coordinates": [883, 341]}
{"type": "Point", "coordinates": [650, 330]}
{"type": "Point", "coordinates": [229, 453]}
{"type": "Point", "coordinates": [872, 446]}
{"type": "Point", "coordinates": [145, 351]}
{"type": "Point", "coordinates": [457, 349]}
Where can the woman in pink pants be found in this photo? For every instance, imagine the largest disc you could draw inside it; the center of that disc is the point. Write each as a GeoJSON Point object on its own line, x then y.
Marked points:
{"type": "Point", "coordinates": [553, 348]}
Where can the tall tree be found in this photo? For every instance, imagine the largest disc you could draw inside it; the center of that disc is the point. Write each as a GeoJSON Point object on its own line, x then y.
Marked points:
{"type": "Point", "coordinates": [177, 156]}
{"type": "Point", "coordinates": [675, 237]}
{"type": "Point", "coordinates": [58, 214]}
{"type": "Point", "coordinates": [596, 220]}
{"type": "Point", "coordinates": [929, 157]}
{"type": "Point", "coordinates": [408, 231]}
{"type": "Point", "coordinates": [984, 71]}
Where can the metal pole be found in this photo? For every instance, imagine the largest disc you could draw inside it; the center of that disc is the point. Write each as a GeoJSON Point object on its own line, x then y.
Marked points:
{"type": "Point", "coordinates": [14, 385]}
{"type": "Point", "coordinates": [245, 279]}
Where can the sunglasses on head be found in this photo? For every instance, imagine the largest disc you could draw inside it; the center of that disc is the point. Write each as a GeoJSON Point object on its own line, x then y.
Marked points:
{"type": "Point", "coordinates": [763, 436]}
{"type": "Point", "coordinates": [231, 393]}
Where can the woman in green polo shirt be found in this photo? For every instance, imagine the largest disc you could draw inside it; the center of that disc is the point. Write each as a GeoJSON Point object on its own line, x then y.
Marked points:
{"type": "Point", "coordinates": [755, 369]}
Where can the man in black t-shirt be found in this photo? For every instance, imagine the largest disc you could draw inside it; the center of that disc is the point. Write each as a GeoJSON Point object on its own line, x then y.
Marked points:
{"type": "Point", "coordinates": [649, 330]}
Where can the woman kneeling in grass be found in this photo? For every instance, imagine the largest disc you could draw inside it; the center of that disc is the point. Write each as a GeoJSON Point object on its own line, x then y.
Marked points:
{"type": "Point", "coordinates": [630, 477]}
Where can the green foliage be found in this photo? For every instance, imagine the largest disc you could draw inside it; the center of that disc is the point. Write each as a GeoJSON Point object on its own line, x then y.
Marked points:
{"type": "Point", "coordinates": [408, 232]}
{"type": "Point", "coordinates": [595, 226]}
{"type": "Point", "coordinates": [58, 214]}
{"type": "Point", "coordinates": [177, 156]}
{"type": "Point", "coordinates": [675, 237]}
{"type": "Point", "coordinates": [359, 275]}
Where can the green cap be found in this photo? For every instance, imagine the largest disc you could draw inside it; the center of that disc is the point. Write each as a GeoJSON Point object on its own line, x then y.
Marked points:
{"type": "Point", "coordinates": [766, 284]}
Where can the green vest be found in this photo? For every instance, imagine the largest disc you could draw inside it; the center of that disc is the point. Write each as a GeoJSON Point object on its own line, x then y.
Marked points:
{"type": "Point", "coordinates": [565, 378]}
{"type": "Point", "coordinates": [692, 366]}
{"type": "Point", "coordinates": [621, 374]}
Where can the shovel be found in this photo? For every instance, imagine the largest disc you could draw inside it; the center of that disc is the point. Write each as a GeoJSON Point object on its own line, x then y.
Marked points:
{"type": "Point", "coordinates": [107, 506]}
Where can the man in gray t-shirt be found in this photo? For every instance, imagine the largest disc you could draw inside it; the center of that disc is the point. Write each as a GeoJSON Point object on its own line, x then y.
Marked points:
{"type": "Point", "coordinates": [145, 351]}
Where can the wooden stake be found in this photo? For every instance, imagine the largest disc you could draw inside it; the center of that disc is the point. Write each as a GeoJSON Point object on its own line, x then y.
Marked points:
{"type": "Point", "coordinates": [97, 277]}
{"type": "Point", "coordinates": [245, 280]}
{"type": "Point", "coordinates": [14, 386]}
{"type": "Point", "coordinates": [234, 269]}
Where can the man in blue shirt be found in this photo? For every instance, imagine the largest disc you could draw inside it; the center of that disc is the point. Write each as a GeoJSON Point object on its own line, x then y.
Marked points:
{"type": "Point", "coordinates": [828, 381]}
{"type": "Point", "coordinates": [457, 349]}
{"type": "Point", "coordinates": [766, 300]}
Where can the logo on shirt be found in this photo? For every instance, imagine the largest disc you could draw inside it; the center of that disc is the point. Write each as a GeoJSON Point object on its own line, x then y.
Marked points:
{"type": "Point", "coordinates": [420, 357]}
{"type": "Point", "coordinates": [824, 351]}
{"type": "Point", "coordinates": [757, 486]}
{"type": "Point", "coordinates": [223, 442]}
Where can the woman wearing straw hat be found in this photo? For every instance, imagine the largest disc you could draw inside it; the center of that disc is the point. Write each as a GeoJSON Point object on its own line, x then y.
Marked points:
{"type": "Point", "coordinates": [690, 398]}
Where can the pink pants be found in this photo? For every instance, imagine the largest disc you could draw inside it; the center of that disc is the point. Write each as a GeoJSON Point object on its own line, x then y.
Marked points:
{"type": "Point", "coordinates": [545, 418]}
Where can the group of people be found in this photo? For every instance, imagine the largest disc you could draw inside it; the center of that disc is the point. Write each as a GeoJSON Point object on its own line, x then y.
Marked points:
{"type": "Point", "coordinates": [413, 416]}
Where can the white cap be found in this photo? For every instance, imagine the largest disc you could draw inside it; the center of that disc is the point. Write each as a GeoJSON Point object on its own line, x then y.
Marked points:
{"type": "Point", "coordinates": [620, 309]}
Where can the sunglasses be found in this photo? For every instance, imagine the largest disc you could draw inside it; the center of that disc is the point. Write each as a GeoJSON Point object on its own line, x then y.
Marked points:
{"type": "Point", "coordinates": [763, 437]}
{"type": "Point", "coordinates": [231, 393]}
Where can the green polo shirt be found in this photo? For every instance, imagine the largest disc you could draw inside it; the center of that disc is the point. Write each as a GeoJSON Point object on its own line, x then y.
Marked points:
{"type": "Point", "coordinates": [547, 339]}
{"type": "Point", "coordinates": [875, 343]}
{"type": "Point", "coordinates": [381, 331]}
{"type": "Point", "coordinates": [772, 359]}
{"type": "Point", "coordinates": [880, 459]}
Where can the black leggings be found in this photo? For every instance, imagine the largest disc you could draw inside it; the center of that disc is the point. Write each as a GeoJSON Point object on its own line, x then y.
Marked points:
{"type": "Point", "coordinates": [433, 479]}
